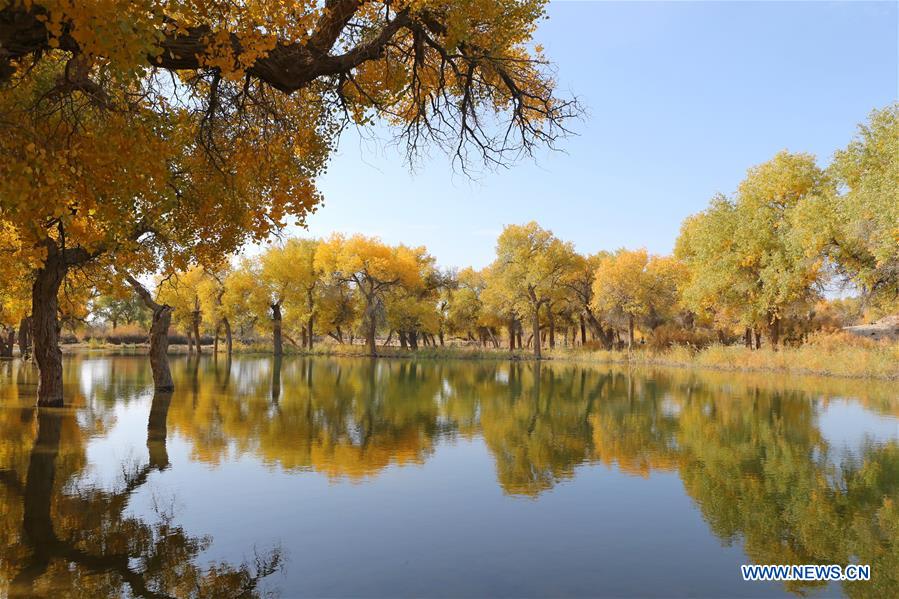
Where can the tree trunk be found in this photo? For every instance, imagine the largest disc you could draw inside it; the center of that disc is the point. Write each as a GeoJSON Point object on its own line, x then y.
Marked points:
{"type": "Point", "coordinates": [512, 335]}
{"type": "Point", "coordinates": [277, 343]}
{"type": "Point", "coordinates": [310, 304]}
{"type": "Point", "coordinates": [747, 337]}
{"type": "Point", "coordinates": [440, 333]}
{"type": "Point", "coordinates": [413, 340]}
{"type": "Point", "coordinates": [229, 343]}
{"type": "Point", "coordinates": [25, 338]}
{"type": "Point", "coordinates": [583, 331]}
{"type": "Point", "coordinates": [215, 340]}
{"type": "Point", "coordinates": [45, 326]}
{"type": "Point", "coordinates": [552, 330]}
{"type": "Point", "coordinates": [403, 343]}
{"type": "Point", "coordinates": [758, 339]}
{"type": "Point", "coordinates": [159, 337]}
{"type": "Point", "coordinates": [630, 332]}
{"type": "Point", "coordinates": [536, 334]}
{"type": "Point", "coordinates": [196, 326]}
{"type": "Point", "coordinates": [774, 331]}
{"type": "Point", "coordinates": [190, 341]}
{"type": "Point", "coordinates": [370, 334]}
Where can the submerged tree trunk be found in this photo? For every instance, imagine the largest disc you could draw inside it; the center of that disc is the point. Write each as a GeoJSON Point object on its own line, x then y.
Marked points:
{"type": "Point", "coordinates": [25, 338]}
{"type": "Point", "coordinates": [277, 343]}
{"type": "Point", "coordinates": [159, 337]}
{"type": "Point", "coordinates": [45, 326]}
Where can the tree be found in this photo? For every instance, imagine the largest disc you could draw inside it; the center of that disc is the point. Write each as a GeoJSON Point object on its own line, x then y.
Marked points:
{"type": "Point", "coordinates": [620, 287]}
{"type": "Point", "coordinates": [182, 291]}
{"type": "Point", "coordinates": [372, 268]}
{"type": "Point", "coordinates": [115, 159]}
{"type": "Point", "coordinates": [749, 254]}
{"type": "Point", "coordinates": [857, 224]}
{"type": "Point", "coordinates": [530, 263]}
{"type": "Point", "coordinates": [120, 307]}
{"type": "Point", "coordinates": [288, 275]}
{"type": "Point", "coordinates": [578, 280]}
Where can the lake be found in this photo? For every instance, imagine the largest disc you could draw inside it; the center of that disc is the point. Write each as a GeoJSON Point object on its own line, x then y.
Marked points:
{"type": "Point", "coordinates": [352, 477]}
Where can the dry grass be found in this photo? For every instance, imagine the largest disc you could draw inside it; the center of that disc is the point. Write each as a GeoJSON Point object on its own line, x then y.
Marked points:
{"type": "Point", "coordinates": [836, 354]}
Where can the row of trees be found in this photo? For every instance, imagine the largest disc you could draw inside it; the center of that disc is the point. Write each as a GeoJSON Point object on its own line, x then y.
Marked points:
{"type": "Point", "coordinates": [750, 266]}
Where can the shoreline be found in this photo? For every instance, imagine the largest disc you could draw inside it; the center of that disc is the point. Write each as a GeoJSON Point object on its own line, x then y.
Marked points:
{"type": "Point", "coordinates": [874, 361]}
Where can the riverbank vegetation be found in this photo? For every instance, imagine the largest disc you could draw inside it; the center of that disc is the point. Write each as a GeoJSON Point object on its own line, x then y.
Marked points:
{"type": "Point", "coordinates": [746, 287]}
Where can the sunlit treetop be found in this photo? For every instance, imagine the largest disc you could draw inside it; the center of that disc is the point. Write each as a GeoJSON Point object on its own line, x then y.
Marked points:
{"type": "Point", "coordinates": [434, 68]}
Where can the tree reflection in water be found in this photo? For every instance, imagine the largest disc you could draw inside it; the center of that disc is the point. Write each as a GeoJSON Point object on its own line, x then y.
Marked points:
{"type": "Point", "coordinates": [62, 536]}
{"type": "Point", "coordinates": [749, 450]}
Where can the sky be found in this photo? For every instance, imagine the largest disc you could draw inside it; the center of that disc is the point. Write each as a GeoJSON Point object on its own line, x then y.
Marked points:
{"type": "Point", "coordinates": [681, 99]}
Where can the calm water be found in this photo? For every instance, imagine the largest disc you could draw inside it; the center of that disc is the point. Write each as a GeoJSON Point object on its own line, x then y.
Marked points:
{"type": "Point", "coordinates": [354, 478]}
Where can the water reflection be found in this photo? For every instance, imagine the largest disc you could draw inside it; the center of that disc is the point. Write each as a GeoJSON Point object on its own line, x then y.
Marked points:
{"type": "Point", "coordinates": [749, 451]}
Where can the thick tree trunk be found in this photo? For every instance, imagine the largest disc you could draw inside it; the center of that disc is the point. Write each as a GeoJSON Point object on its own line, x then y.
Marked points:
{"type": "Point", "coordinates": [190, 341]}
{"type": "Point", "coordinates": [45, 326]}
{"type": "Point", "coordinates": [25, 338]}
{"type": "Point", "coordinates": [159, 348]}
{"type": "Point", "coordinates": [512, 335]}
{"type": "Point", "coordinates": [413, 339]}
{"type": "Point", "coordinates": [536, 334]}
{"type": "Point", "coordinates": [747, 337]}
{"type": "Point", "coordinates": [370, 334]}
{"type": "Point", "coordinates": [758, 339]}
{"type": "Point", "coordinates": [277, 343]}
{"type": "Point", "coordinates": [583, 331]}
{"type": "Point", "coordinates": [402, 336]}
{"type": "Point", "coordinates": [159, 337]}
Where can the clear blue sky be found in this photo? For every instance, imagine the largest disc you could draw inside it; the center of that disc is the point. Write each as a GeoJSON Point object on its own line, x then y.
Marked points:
{"type": "Point", "coordinates": [682, 98]}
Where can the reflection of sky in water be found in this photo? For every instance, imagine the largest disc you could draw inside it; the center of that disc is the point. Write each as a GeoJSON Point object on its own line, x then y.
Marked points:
{"type": "Point", "coordinates": [846, 425]}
